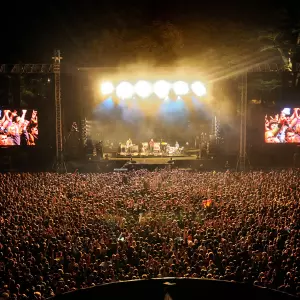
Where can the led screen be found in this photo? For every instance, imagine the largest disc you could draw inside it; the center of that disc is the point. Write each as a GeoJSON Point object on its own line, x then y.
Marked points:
{"type": "Point", "coordinates": [283, 127]}
{"type": "Point", "coordinates": [18, 127]}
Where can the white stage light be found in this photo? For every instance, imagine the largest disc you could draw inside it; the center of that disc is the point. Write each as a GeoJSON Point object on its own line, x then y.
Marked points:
{"type": "Point", "coordinates": [143, 89]}
{"type": "Point", "coordinates": [198, 88]}
{"type": "Point", "coordinates": [107, 88]}
{"type": "Point", "coordinates": [162, 89]}
{"type": "Point", "coordinates": [181, 88]}
{"type": "Point", "coordinates": [124, 90]}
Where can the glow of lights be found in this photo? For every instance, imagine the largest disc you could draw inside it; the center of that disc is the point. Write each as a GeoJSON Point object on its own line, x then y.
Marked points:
{"type": "Point", "coordinates": [198, 88]}
{"type": "Point", "coordinates": [124, 90]}
{"type": "Point", "coordinates": [162, 89]}
{"type": "Point", "coordinates": [107, 88]}
{"type": "Point", "coordinates": [181, 88]}
{"type": "Point", "coordinates": [143, 89]}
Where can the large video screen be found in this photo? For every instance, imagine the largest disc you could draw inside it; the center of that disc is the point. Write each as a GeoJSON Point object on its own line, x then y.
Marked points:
{"type": "Point", "coordinates": [18, 127]}
{"type": "Point", "coordinates": [283, 127]}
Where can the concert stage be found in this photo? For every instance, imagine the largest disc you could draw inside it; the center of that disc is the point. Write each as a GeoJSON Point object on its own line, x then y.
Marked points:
{"type": "Point", "coordinates": [154, 160]}
{"type": "Point", "coordinates": [126, 164]}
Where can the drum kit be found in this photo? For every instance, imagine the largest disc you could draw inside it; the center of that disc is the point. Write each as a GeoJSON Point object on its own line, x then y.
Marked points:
{"type": "Point", "coordinates": [171, 151]}
{"type": "Point", "coordinates": [129, 149]}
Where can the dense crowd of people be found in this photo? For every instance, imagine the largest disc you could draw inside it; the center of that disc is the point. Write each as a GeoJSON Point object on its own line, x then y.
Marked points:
{"type": "Point", "coordinates": [62, 232]}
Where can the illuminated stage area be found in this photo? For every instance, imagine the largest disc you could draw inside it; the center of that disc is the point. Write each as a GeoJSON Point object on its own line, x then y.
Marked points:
{"type": "Point", "coordinates": [150, 118]}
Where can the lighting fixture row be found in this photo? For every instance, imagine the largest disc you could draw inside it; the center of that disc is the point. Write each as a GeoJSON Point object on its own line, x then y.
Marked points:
{"type": "Point", "coordinates": [144, 89]}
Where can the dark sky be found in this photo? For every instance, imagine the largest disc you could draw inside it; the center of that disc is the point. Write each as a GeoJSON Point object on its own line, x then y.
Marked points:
{"type": "Point", "coordinates": [29, 31]}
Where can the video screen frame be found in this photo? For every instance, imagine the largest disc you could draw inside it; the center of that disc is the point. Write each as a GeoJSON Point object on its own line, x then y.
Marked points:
{"type": "Point", "coordinates": [18, 127]}
{"type": "Point", "coordinates": [283, 127]}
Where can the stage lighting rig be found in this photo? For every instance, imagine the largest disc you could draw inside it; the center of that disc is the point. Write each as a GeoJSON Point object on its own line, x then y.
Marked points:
{"type": "Point", "coordinates": [162, 89]}
{"type": "Point", "coordinates": [181, 88]}
{"type": "Point", "coordinates": [143, 88]}
{"type": "Point", "coordinates": [107, 88]}
{"type": "Point", "coordinates": [198, 88]}
{"type": "Point", "coordinates": [125, 90]}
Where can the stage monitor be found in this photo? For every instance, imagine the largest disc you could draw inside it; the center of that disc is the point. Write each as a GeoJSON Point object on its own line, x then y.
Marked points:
{"type": "Point", "coordinates": [283, 127]}
{"type": "Point", "coordinates": [18, 127]}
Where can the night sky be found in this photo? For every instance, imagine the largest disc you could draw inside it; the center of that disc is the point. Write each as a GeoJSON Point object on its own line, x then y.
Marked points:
{"type": "Point", "coordinates": [31, 30]}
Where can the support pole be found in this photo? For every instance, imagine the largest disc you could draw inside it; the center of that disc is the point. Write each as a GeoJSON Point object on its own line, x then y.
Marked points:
{"type": "Point", "coordinates": [242, 158]}
{"type": "Point", "coordinates": [59, 164]}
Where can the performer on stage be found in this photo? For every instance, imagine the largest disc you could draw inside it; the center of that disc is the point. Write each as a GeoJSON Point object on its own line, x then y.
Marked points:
{"type": "Point", "coordinates": [128, 145]}
{"type": "Point", "coordinates": [151, 146]}
{"type": "Point", "coordinates": [99, 150]}
{"type": "Point", "coordinates": [163, 146]}
{"type": "Point", "coordinates": [177, 145]}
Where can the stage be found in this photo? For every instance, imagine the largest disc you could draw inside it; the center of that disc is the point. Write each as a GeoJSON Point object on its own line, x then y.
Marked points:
{"type": "Point", "coordinates": [96, 165]}
{"type": "Point", "coordinates": [154, 160]}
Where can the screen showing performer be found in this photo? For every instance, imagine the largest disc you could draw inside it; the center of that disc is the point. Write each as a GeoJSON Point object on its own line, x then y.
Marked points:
{"type": "Point", "coordinates": [18, 127]}
{"type": "Point", "coordinates": [283, 127]}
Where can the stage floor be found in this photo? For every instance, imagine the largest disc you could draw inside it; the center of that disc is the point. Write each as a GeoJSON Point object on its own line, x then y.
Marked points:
{"type": "Point", "coordinates": [154, 160]}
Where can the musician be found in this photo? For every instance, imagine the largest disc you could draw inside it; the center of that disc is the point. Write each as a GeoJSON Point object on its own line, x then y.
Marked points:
{"type": "Point", "coordinates": [99, 149]}
{"type": "Point", "coordinates": [177, 145]}
{"type": "Point", "coordinates": [128, 145]}
{"type": "Point", "coordinates": [163, 146]}
{"type": "Point", "coordinates": [120, 148]}
{"type": "Point", "coordinates": [151, 146]}
{"type": "Point", "coordinates": [74, 127]}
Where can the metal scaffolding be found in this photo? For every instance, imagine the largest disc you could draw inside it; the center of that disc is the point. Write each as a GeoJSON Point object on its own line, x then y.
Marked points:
{"type": "Point", "coordinates": [59, 163]}
{"type": "Point", "coordinates": [26, 68]}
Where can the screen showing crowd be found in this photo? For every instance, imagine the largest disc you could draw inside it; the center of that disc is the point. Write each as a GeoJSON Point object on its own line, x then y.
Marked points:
{"type": "Point", "coordinates": [283, 127]}
{"type": "Point", "coordinates": [18, 127]}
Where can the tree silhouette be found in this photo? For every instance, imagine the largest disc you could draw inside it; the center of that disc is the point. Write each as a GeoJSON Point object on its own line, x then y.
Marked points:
{"type": "Point", "coordinates": [34, 89]}
{"type": "Point", "coordinates": [285, 40]}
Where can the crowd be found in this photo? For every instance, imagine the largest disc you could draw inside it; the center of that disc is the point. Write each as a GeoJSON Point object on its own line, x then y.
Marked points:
{"type": "Point", "coordinates": [60, 233]}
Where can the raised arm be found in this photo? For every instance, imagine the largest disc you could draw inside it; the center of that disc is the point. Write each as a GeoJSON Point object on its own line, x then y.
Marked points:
{"type": "Point", "coordinates": [24, 111]}
{"type": "Point", "coordinates": [34, 118]}
{"type": "Point", "coordinates": [6, 115]}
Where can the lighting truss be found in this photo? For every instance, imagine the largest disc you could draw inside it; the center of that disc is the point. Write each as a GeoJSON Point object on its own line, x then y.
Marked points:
{"type": "Point", "coordinates": [26, 68]}
{"type": "Point", "coordinates": [59, 163]}
{"type": "Point", "coordinates": [145, 89]}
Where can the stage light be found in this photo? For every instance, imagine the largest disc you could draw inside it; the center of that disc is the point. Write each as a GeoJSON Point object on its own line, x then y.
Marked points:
{"type": "Point", "coordinates": [124, 90]}
{"type": "Point", "coordinates": [181, 88]}
{"type": "Point", "coordinates": [143, 89]}
{"type": "Point", "coordinates": [107, 88]}
{"type": "Point", "coordinates": [162, 89]}
{"type": "Point", "coordinates": [198, 88]}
